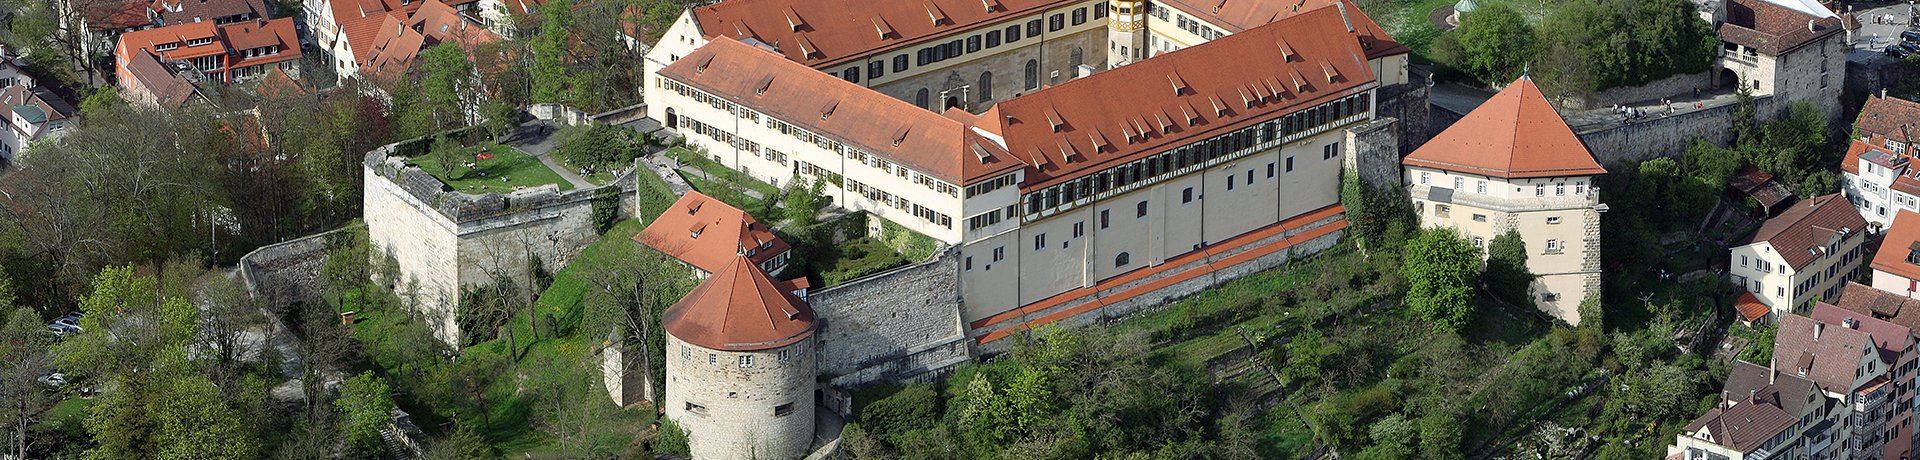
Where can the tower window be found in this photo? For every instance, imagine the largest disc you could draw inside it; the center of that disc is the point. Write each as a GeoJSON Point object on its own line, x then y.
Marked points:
{"type": "Point", "coordinates": [783, 410]}
{"type": "Point", "coordinates": [696, 408]}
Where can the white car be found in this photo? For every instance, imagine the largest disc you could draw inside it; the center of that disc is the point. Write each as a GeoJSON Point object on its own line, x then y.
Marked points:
{"type": "Point", "coordinates": [55, 380]}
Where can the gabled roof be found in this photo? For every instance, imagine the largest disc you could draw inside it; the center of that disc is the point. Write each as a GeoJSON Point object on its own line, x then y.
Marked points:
{"type": "Point", "coordinates": [1761, 409]}
{"type": "Point", "coordinates": [115, 15]}
{"type": "Point", "coordinates": [386, 40]}
{"type": "Point", "coordinates": [1891, 117]}
{"type": "Point", "coordinates": [1902, 238]}
{"type": "Point", "coordinates": [278, 84]}
{"type": "Point", "coordinates": [1750, 308]}
{"type": "Point", "coordinates": [836, 30]}
{"type": "Point", "coordinates": [1888, 338]}
{"type": "Point", "coordinates": [1758, 184]}
{"type": "Point", "coordinates": [1893, 308]}
{"type": "Point", "coordinates": [1829, 360]}
{"type": "Point", "coordinates": [1238, 15]}
{"type": "Point", "coordinates": [897, 130]}
{"type": "Point", "coordinates": [1150, 106]}
{"type": "Point", "coordinates": [1515, 134]}
{"type": "Point", "coordinates": [707, 233]}
{"type": "Point", "coordinates": [170, 91]}
{"type": "Point", "coordinates": [206, 10]}
{"type": "Point", "coordinates": [149, 40]}
{"type": "Point", "coordinates": [739, 308]}
{"type": "Point", "coordinates": [1800, 234]}
{"type": "Point", "coordinates": [1774, 28]}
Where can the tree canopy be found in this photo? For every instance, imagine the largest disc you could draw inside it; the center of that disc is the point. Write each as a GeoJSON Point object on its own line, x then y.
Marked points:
{"type": "Point", "coordinates": [1440, 269]}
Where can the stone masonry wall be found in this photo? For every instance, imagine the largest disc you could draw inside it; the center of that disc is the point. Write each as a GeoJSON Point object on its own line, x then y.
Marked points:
{"type": "Point", "coordinates": [1668, 136]}
{"type": "Point", "coordinates": [287, 272]}
{"type": "Point", "coordinates": [897, 326]}
{"type": "Point", "coordinates": [1412, 104]}
{"type": "Point", "coordinates": [1373, 152]}
{"type": "Point", "coordinates": [446, 240]}
{"type": "Point", "coordinates": [1676, 85]}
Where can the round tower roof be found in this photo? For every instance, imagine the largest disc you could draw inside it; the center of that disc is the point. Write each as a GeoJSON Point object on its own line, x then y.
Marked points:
{"type": "Point", "coordinates": [739, 308]}
{"type": "Point", "coordinates": [1465, 6]}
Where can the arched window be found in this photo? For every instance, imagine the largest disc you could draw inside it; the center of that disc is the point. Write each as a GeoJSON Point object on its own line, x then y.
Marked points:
{"type": "Point", "coordinates": [1078, 57]}
{"type": "Point", "coordinates": [1033, 74]}
{"type": "Point", "coordinates": [986, 86]}
{"type": "Point", "coordinates": [673, 121]}
{"type": "Point", "coordinates": [1122, 260]}
{"type": "Point", "coordinates": [920, 98]}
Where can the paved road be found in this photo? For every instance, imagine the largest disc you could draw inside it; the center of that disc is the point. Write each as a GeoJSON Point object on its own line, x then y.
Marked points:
{"type": "Point", "coordinates": [1458, 98]}
{"type": "Point", "coordinates": [536, 138]}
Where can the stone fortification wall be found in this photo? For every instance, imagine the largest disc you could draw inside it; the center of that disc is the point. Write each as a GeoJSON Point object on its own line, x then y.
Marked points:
{"type": "Point", "coordinates": [287, 272]}
{"type": "Point", "coordinates": [1373, 152]}
{"type": "Point", "coordinates": [1668, 136]}
{"type": "Point", "coordinates": [445, 240]}
{"type": "Point", "coordinates": [1678, 85]}
{"type": "Point", "coordinates": [897, 326]}
{"type": "Point", "coordinates": [1412, 104]}
{"type": "Point", "coordinates": [742, 405]}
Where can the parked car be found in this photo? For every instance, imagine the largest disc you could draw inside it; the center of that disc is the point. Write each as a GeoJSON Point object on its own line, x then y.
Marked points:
{"type": "Point", "coordinates": [55, 379]}
{"type": "Point", "coordinates": [71, 324]}
{"type": "Point", "coordinates": [1897, 52]}
{"type": "Point", "coordinates": [1910, 35]}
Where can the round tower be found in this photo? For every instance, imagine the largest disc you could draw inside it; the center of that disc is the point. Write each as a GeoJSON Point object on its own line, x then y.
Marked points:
{"type": "Point", "coordinates": [741, 367]}
{"type": "Point", "coordinates": [1126, 31]}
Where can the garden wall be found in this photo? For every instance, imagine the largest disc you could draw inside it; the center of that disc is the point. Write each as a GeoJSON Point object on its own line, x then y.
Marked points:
{"type": "Point", "coordinates": [1412, 104]}
{"type": "Point", "coordinates": [288, 272]}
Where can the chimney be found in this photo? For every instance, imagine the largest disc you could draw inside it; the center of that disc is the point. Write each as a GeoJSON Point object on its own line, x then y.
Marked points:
{"type": "Point", "coordinates": [1752, 393]}
{"type": "Point", "coordinates": [1724, 402]}
{"type": "Point", "coordinates": [1810, 26]}
{"type": "Point", "coordinates": [1850, 323]}
{"type": "Point", "coordinates": [1883, 95]}
{"type": "Point", "coordinates": [1817, 327]}
{"type": "Point", "coordinates": [1772, 374]}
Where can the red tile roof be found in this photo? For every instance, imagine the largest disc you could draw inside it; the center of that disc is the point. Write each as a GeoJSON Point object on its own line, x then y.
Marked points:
{"type": "Point", "coordinates": [707, 233]}
{"type": "Point", "coordinates": [278, 84]}
{"type": "Point", "coordinates": [1809, 226]}
{"type": "Point", "coordinates": [228, 42]}
{"type": "Point", "coordinates": [1891, 117]}
{"type": "Point", "coordinates": [1747, 425]}
{"type": "Point", "coordinates": [169, 90]}
{"type": "Point", "coordinates": [112, 15]}
{"type": "Point", "coordinates": [1829, 361]}
{"type": "Point", "coordinates": [1774, 29]}
{"type": "Point", "coordinates": [1864, 299]}
{"type": "Point", "coordinates": [1902, 239]}
{"type": "Point", "coordinates": [207, 10]}
{"type": "Point", "coordinates": [1515, 134]}
{"type": "Point", "coordinates": [1088, 124]}
{"type": "Point", "coordinates": [1758, 184]}
{"type": "Point", "coordinates": [1750, 308]}
{"type": "Point", "coordinates": [1888, 338]}
{"type": "Point", "coordinates": [873, 122]}
{"type": "Point", "coordinates": [1239, 15]}
{"type": "Point", "coordinates": [739, 308]}
{"type": "Point", "coordinates": [388, 37]}
{"type": "Point", "coordinates": [825, 32]}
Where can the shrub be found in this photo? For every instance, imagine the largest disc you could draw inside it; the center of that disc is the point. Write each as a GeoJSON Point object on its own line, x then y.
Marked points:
{"type": "Point", "coordinates": [914, 407]}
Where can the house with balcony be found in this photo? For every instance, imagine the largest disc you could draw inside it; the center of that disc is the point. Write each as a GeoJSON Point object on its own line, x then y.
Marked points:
{"type": "Point", "coordinates": [1807, 252]}
{"type": "Point", "coordinates": [1763, 414]}
{"type": "Point", "coordinates": [1793, 50]}
{"type": "Point", "coordinates": [153, 64]}
{"type": "Point", "coordinates": [1876, 173]}
{"type": "Point", "coordinates": [1844, 361]}
{"type": "Point", "coordinates": [33, 114]}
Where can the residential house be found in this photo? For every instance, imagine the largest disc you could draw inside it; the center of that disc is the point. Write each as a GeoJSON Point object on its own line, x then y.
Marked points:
{"type": "Point", "coordinates": [1863, 299]}
{"type": "Point", "coordinates": [377, 40]}
{"type": "Point", "coordinates": [175, 12]}
{"type": "Point", "coordinates": [1768, 195]}
{"type": "Point", "coordinates": [1806, 252]}
{"type": "Point", "coordinates": [1845, 364]}
{"type": "Point", "coordinates": [1513, 165]}
{"type": "Point", "coordinates": [1894, 343]}
{"type": "Point", "coordinates": [1876, 172]}
{"type": "Point", "coordinates": [33, 114]}
{"type": "Point", "coordinates": [1896, 264]}
{"type": "Point", "coordinates": [153, 62]}
{"type": "Point", "coordinates": [706, 234]}
{"type": "Point", "coordinates": [1763, 414]}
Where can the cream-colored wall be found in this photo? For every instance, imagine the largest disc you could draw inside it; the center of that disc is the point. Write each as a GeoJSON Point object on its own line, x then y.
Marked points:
{"type": "Point", "coordinates": [1170, 228]}
{"type": "Point", "coordinates": [738, 421]}
{"type": "Point", "coordinates": [424, 243]}
{"type": "Point", "coordinates": [1513, 204]}
{"type": "Point", "coordinates": [758, 165]}
{"type": "Point", "coordinates": [1776, 287]}
{"type": "Point", "coordinates": [680, 39]}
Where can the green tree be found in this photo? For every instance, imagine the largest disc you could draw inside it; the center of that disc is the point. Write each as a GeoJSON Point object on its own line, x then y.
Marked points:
{"type": "Point", "coordinates": [1711, 165]}
{"type": "Point", "coordinates": [1440, 269]}
{"type": "Point", "coordinates": [550, 53]}
{"type": "Point", "coordinates": [447, 154]}
{"type": "Point", "coordinates": [1496, 43]}
{"type": "Point", "coordinates": [1631, 42]}
{"type": "Point", "coordinates": [364, 405]}
{"type": "Point", "coordinates": [1304, 355]}
{"type": "Point", "coordinates": [446, 85]}
{"type": "Point", "coordinates": [597, 146]}
{"type": "Point", "coordinates": [1506, 274]}
{"type": "Point", "coordinates": [1440, 437]}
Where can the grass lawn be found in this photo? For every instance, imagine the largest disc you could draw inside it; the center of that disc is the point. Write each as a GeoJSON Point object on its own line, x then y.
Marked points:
{"type": "Point", "coordinates": [859, 257]}
{"type": "Point", "coordinates": [714, 171]}
{"type": "Point", "coordinates": [508, 170]}
{"type": "Point", "coordinates": [754, 206]}
{"type": "Point", "coordinates": [67, 413]}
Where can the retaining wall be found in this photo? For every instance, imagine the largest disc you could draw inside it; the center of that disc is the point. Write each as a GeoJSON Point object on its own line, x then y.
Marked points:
{"type": "Point", "coordinates": [1676, 85]}
{"type": "Point", "coordinates": [1668, 136]}
{"type": "Point", "coordinates": [284, 273]}
{"type": "Point", "coordinates": [897, 326]}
